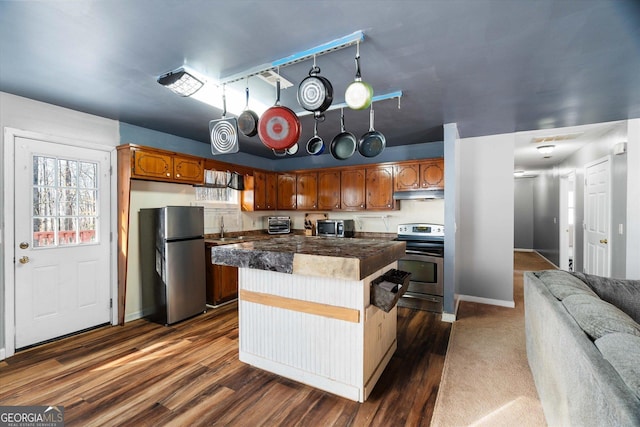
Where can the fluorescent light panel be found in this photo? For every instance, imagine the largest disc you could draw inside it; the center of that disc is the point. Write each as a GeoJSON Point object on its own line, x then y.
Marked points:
{"type": "Point", "coordinates": [211, 94]}
{"type": "Point", "coordinates": [181, 82]}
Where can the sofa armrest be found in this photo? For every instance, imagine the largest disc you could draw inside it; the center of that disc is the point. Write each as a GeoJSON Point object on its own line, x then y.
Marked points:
{"type": "Point", "coordinates": [575, 384]}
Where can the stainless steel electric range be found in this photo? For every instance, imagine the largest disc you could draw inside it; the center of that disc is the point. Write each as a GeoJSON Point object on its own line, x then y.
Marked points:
{"type": "Point", "coordinates": [423, 258]}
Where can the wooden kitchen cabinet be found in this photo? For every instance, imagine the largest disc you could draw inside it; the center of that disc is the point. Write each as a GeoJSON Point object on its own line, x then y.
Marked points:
{"type": "Point", "coordinates": [221, 281]}
{"type": "Point", "coordinates": [287, 195]}
{"type": "Point", "coordinates": [264, 190]}
{"type": "Point", "coordinates": [426, 174]}
{"type": "Point", "coordinates": [432, 174]}
{"type": "Point", "coordinates": [379, 188]}
{"type": "Point", "coordinates": [352, 189]}
{"type": "Point", "coordinates": [307, 191]}
{"type": "Point", "coordinates": [159, 165]}
{"type": "Point", "coordinates": [188, 170]}
{"type": "Point", "coordinates": [329, 190]}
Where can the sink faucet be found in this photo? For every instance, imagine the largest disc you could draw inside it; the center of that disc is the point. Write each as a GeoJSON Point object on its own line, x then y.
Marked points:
{"type": "Point", "coordinates": [221, 227]}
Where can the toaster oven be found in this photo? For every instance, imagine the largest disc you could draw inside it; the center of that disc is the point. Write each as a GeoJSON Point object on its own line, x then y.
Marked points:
{"type": "Point", "coordinates": [278, 224]}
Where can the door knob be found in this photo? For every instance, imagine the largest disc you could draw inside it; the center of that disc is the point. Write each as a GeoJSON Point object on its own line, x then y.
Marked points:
{"type": "Point", "coordinates": [24, 245]}
{"type": "Point", "coordinates": [603, 241]}
{"type": "Point", "coordinates": [24, 260]}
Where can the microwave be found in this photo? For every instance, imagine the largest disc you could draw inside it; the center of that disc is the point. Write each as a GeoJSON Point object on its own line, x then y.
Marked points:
{"type": "Point", "coordinates": [335, 227]}
{"type": "Point", "coordinates": [278, 224]}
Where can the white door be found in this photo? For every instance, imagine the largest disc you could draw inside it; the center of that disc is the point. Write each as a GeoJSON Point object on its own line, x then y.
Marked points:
{"type": "Point", "coordinates": [596, 218]}
{"type": "Point", "coordinates": [61, 249]}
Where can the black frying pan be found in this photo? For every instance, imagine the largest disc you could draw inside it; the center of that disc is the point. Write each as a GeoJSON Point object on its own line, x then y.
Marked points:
{"type": "Point", "coordinates": [343, 144]}
{"type": "Point", "coordinates": [248, 120]}
{"type": "Point", "coordinates": [373, 142]}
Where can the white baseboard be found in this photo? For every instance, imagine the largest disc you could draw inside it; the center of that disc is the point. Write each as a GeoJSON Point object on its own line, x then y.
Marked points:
{"type": "Point", "coordinates": [2, 354]}
{"type": "Point", "coordinates": [451, 317]}
{"type": "Point", "coordinates": [498, 302]}
{"type": "Point", "coordinates": [523, 250]}
{"type": "Point", "coordinates": [448, 317]}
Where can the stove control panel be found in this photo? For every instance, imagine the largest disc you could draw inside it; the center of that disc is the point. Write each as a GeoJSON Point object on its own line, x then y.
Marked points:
{"type": "Point", "coordinates": [421, 229]}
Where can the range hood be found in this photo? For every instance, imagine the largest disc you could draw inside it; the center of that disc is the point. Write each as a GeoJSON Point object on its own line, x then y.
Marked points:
{"type": "Point", "coordinates": [418, 195]}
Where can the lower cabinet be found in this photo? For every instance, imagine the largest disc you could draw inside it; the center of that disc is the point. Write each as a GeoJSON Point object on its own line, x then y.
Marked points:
{"type": "Point", "coordinates": [221, 281]}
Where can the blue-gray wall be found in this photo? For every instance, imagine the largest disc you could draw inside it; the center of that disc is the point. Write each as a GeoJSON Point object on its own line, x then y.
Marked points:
{"type": "Point", "coordinates": [546, 211]}
{"type": "Point", "coordinates": [130, 134]}
{"type": "Point", "coordinates": [523, 214]}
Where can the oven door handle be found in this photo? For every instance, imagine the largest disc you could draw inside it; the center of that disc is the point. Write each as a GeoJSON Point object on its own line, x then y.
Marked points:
{"type": "Point", "coordinates": [425, 253]}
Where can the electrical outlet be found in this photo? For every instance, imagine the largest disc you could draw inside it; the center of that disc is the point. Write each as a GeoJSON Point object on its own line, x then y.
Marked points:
{"type": "Point", "coordinates": [621, 229]}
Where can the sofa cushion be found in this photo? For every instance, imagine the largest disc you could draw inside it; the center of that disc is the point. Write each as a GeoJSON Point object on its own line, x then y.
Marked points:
{"type": "Point", "coordinates": [597, 317]}
{"type": "Point", "coordinates": [623, 352]}
{"type": "Point", "coordinates": [562, 284]}
{"type": "Point", "coordinates": [624, 294]}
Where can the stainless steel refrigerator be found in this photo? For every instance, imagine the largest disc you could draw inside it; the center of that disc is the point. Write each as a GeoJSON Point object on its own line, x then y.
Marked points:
{"type": "Point", "coordinates": [172, 263]}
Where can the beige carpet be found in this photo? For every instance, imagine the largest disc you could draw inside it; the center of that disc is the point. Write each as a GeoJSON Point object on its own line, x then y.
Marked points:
{"type": "Point", "coordinates": [486, 379]}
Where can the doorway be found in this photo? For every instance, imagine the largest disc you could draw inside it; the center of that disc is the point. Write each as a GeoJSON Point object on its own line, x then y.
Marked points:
{"type": "Point", "coordinates": [58, 209]}
{"type": "Point", "coordinates": [567, 220]}
{"type": "Point", "coordinates": [597, 217]}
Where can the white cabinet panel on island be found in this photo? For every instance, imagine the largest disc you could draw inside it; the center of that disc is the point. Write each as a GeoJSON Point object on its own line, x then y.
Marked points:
{"type": "Point", "coordinates": [315, 328]}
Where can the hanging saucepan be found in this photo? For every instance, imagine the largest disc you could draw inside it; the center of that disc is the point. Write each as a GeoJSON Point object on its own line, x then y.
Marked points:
{"type": "Point", "coordinates": [248, 120]}
{"type": "Point", "coordinates": [293, 149]}
{"type": "Point", "coordinates": [358, 94]}
{"type": "Point", "coordinates": [373, 142]}
{"type": "Point", "coordinates": [279, 128]}
{"type": "Point", "coordinates": [315, 145]}
{"type": "Point", "coordinates": [343, 144]}
{"type": "Point", "coordinates": [224, 132]}
{"type": "Point", "coordinates": [315, 92]}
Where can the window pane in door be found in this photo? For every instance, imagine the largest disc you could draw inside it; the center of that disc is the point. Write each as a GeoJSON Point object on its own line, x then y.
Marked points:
{"type": "Point", "coordinates": [88, 229]}
{"type": "Point", "coordinates": [68, 202]}
{"type": "Point", "coordinates": [44, 201]}
{"type": "Point", "coordinates": [65, 202]}
{"type": "Point", "coordinates": [44, 171]}
{"type": "Point", "coordinates": [87, 175]}
{"type": "Point", "coordinates": [67, 228]}
{"type": "Point", "coordinates": [68, 170]}
{"type": "Point", "coordinates": [88, 201]}
{"type": "Point", "coordinates": [43, 232]}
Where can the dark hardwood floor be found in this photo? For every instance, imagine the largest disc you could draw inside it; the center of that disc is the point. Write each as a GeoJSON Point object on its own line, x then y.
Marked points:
{"type": "Point", "coordinates": [144, 374]}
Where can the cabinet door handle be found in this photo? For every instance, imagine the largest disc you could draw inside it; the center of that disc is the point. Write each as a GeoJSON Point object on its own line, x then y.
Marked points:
{"type": "Point", "coordinates": [168, 174]}
{"type": "Point", "coordinates": [177, 175]}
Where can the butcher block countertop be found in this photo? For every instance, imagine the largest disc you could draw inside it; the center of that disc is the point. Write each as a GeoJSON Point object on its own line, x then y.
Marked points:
{"type": "Point", "coordinates": [339, 258]}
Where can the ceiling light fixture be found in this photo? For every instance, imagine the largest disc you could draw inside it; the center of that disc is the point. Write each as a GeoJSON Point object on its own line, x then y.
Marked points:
{"type": "Point", "coordinates": [181, 82]}
{"type": "Point", "coordinates": [546, 150]}
{"type": "Point", "coordinates": [518, 173]}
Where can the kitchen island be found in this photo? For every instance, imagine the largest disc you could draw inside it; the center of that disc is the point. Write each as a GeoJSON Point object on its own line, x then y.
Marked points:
{"type": "Point", "coordinates": [304, 310]}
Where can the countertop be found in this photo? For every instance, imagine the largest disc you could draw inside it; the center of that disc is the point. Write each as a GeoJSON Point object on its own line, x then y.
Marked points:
{"type": "Point", "coordinates": [343, 258]}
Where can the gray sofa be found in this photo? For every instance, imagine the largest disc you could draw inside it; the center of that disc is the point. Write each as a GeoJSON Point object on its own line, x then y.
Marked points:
{"type": "Point", "coordinates": [583, 347]}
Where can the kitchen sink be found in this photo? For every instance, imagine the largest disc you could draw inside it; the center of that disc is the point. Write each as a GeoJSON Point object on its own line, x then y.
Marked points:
{"type": "Point", "coordinates": [230, 239]}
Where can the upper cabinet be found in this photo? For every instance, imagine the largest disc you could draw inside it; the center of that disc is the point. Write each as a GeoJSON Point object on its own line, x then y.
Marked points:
{"type": "Point", "coordinates": [287, 191]}
{"type": "Point", "coordinates": [425, 174]}
{"type": "Point", "coordinates": [432, 174]}
{"type": "Point", "coordinates": [352, 189]}
{"type": "Point", "coordinates": [147, 163]}
{"type": "Point", "coordinates": [379, 188]}
{"type": "Point", "coordinates": [307, 191]}
{"type": "Point", "coordinates": [264, 190]}
{"type": "Point", "coordinates": [329, 190]}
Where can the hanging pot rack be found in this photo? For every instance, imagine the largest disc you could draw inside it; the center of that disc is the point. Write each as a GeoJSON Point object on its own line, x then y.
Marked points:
{"type": "Point", "coordinates": [391, 95]}
{"type": "Point", "coordinates": [337, 44]}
